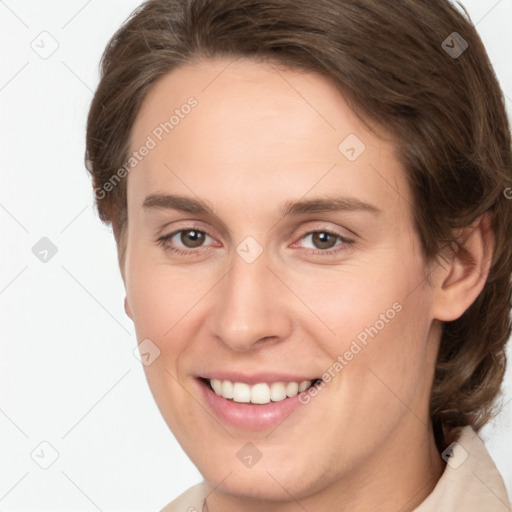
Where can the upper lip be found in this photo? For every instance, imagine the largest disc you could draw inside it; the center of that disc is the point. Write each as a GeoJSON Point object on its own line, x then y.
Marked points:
{"type": "Point", "coordinates": [256, 378]}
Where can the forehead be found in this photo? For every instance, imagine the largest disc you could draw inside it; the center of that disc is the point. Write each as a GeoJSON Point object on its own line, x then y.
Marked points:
{"type": "Point", "coordinates": [255, 126]}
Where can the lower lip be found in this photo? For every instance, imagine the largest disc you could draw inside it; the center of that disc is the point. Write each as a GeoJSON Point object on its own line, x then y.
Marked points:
{"type": "Point", "coordinates": [246, 415]}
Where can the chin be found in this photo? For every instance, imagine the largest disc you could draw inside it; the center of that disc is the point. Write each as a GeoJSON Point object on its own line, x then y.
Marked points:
{"type": "Point", "coordinates": [268, 482]}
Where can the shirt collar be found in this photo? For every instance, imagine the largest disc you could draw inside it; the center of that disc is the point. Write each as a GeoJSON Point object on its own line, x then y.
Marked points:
{"type": "Point", "coordinates": [470, 481]}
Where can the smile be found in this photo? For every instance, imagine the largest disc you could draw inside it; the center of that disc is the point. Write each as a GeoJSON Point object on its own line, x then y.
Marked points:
{"type": "Point", "coordinates": [262, 403]}
{"type": "Point", "coordinates": [260, 393]}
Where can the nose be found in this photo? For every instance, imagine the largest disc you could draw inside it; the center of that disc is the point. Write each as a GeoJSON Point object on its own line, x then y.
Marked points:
{"type": "Point", "coordinates": [250, 306]}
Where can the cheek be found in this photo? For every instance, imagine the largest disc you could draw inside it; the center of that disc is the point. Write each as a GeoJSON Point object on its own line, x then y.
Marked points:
{"type": "Point", "coordinates": [162, 304]}
{"type": "Point", "coordinates": [361, 300]}
{"type": "Point", "coordinates": [159, 298]}
{"type": "Point", "coordinates": [373, 325]}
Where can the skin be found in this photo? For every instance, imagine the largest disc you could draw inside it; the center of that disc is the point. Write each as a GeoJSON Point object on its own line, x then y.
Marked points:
{"type": "Point", "coordinates": [261, 136]}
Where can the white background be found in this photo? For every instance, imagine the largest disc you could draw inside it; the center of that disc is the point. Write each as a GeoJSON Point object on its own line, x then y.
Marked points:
{"type": "Point", "coordinates": [68, 374]}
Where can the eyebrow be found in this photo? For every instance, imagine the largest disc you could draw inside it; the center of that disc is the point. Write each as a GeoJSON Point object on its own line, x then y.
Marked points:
{"type": "Point", "coordinates": [175, 202]}
{"type": "Point", "coordinates": [290, 208]}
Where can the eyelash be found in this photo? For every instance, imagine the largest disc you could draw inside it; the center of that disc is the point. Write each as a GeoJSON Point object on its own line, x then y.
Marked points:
{"type": "Point", "coordinates": [163, 241]}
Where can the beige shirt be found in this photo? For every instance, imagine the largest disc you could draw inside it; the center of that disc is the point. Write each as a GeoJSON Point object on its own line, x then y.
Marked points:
{"type": "Point", "coordinates": [470, 483]}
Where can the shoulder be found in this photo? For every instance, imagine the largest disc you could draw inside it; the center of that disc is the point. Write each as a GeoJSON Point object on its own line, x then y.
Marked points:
{"type": "Point", "coordinates": [189, 501]}
{"type": "Point", "coordinates": [470, 481]}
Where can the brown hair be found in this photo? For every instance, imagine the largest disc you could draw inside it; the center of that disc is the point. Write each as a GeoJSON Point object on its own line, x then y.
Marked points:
{"type": "Point", "coordinates": [399, 64]}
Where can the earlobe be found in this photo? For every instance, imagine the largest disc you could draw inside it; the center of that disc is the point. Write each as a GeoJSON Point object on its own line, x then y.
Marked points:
{"type": "Point", "coordinates": [127, 308]}
{"type": "Point", "coordinates": [462, 276]}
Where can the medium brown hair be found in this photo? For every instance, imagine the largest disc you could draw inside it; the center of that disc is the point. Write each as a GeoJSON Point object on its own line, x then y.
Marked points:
{"type": "Point", "coordinates": [391, 61]}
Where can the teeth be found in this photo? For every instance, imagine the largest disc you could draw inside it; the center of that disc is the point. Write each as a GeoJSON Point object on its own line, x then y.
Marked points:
{"type": "Point", "coordinates": [227, 389]}
{"type": "Point", "coordinates": [277, 391]}
{"type": "Point", "coordinates": [217, 386]}
{"type": "Point", "coordinates": [304, 385]}
{"type": "Point", "coordinates": [292, 388]}
{"type": "Point", "coordinates": [261, 393]}
{"type": "Point", "coordinates": [241, 392]}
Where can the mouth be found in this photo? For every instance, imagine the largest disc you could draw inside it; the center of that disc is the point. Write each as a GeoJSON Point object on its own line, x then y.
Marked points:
{"type": "Point", "coordinates": [260, 393]}
{"type": "Point", "coordinates": [256, 402]}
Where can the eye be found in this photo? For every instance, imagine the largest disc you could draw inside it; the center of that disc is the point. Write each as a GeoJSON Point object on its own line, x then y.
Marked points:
{"type": "Point", "coordinates": [184, 241]}
{"type": "Point", "coordinates": [324, 240]}
{"type": "Point", "coordinates": [193, 241]}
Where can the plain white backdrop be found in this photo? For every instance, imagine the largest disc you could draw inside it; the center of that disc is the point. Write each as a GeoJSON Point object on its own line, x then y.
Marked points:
{"type": "Point", "coordinates": [80, 429]}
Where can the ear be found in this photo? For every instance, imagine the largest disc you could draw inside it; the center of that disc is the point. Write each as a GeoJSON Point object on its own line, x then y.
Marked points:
{"type": "Point", "coordinates": [127, 308]}
{"type": "Point", "coordinates": [462, 274]}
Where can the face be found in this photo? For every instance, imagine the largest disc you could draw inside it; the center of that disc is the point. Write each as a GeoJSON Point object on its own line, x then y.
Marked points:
{"type": "Point", "coordinates": [271, 242]}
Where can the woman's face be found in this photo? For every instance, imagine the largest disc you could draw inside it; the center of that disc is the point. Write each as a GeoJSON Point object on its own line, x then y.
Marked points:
{"type": "Point", "coordinates": [291, 256]}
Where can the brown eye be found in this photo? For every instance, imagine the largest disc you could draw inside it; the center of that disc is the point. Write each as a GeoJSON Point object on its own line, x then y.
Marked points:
{"type": "Point", "coordinates": [323, 239]}
{"type": "Point", "coordinates": [192, 238]}
{"type": "Point", "coordinates": [325, 242]}
{"type": "Point", "coordinates": [186, 242]}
